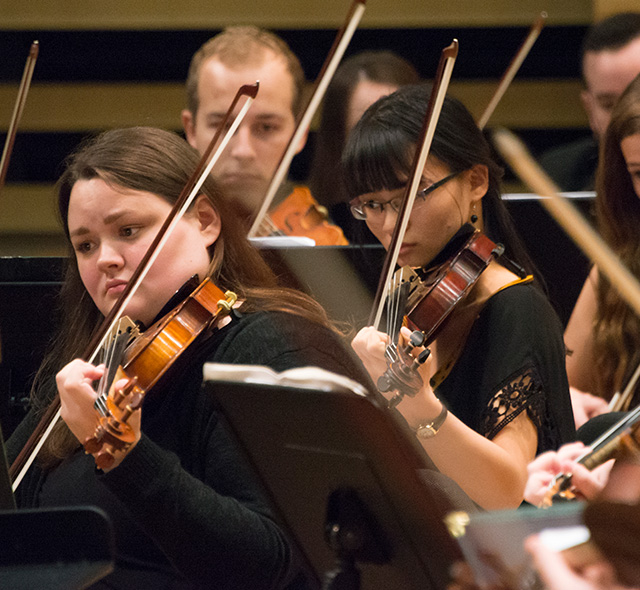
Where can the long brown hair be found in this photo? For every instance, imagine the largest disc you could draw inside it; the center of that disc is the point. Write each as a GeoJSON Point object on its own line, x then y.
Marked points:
{"type": "Point", "coordinates": [617, 327]}
{"type": "Point", "coordinates": [158, 162]}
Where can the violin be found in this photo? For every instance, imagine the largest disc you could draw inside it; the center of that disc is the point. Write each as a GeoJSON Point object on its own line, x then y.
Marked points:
{"type": "Point", "coordinates": [443, 286]}
{"type": "Point", "coordinates": [427, 299]}
{"type": "Point", "coordinates": [622, 438]}
{"type": "Point", "coordinates": [301, 215]}
{"type": "Point", "coordinates": [147, 359]}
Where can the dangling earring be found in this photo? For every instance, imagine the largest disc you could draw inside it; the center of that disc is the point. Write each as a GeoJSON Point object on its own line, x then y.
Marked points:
{"type": "Point", "coordinates": [474, 217]}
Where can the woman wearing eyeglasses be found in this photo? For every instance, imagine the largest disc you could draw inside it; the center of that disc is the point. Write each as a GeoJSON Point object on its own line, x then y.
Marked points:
{"type": "Point", "coordinates": [495, 390]}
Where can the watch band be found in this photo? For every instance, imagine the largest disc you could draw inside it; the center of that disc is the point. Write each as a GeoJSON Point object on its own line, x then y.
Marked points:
{"type": "Point", "coordinates": [430, 429]}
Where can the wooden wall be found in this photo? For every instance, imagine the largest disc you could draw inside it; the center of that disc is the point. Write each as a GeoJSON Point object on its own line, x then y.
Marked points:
{"type": "Point", "coordinates": [112, 63]}
{"type": "Point", "coordinates": [283, 14]}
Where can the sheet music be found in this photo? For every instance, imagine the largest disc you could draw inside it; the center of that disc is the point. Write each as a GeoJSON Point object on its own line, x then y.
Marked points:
{"type": "Point", "coordinates": [299, 377]}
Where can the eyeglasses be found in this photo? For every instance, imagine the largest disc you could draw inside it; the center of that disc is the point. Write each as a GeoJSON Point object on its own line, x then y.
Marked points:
{"type": "Point", "coordinates": [373, 210]}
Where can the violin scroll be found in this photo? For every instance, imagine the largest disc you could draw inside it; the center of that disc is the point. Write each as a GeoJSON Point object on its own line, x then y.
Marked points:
{"type": "Point", "coordinates": [113, 435]}
{"type": "Point", "coordinates": [402, 375]}
{"type": "Point", "coordinates": [560, 490]}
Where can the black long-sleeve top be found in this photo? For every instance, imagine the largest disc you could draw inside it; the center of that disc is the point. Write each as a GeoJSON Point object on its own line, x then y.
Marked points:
{"type": "Point", "coordinates": [186, 510]}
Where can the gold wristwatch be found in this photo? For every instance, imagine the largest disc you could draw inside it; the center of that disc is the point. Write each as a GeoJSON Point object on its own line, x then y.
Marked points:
{"type": "Point", "coordinates": [430, 429]}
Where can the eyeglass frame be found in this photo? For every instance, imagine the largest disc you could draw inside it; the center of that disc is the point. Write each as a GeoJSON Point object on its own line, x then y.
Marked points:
{"type": "Point", "coordinates": [356, 207]}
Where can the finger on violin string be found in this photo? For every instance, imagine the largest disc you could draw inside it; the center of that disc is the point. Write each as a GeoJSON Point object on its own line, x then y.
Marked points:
{"type": "Point", "coordinates": [79, 374]}
{"type": "Point", "coordinates": [369, 341]}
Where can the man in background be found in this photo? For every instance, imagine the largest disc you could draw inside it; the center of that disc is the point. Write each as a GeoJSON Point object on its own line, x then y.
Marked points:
{"type": "Point", "coordinates": [231, 59]}
{"type": "Point", "coordinates": [610, 61]}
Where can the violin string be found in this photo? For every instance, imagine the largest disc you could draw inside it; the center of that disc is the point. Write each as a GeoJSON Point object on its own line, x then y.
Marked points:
{"type": "Point", "coordinates": [395, 333]}
{"type": "Point", "coordinates": [115, 352]}
{"type": "Point", "coordinates": [393, 311]}
{"type": "Point", "coordinates": [106, 358]}
{"type": "Point", "coordinates": [268, 227]}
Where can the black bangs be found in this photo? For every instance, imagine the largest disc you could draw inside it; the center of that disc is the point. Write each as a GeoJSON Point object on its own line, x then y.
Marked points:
{"type": "Point", "coordinates": [375, 158]}
{"type": "Point", "coordinates": [380, 148]}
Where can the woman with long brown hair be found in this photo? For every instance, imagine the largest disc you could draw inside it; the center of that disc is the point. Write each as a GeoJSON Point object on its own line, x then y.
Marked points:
{"type": "Point", "coordinates": [603, 333]}
{"type": "Point", "coordinates": [185, 508]}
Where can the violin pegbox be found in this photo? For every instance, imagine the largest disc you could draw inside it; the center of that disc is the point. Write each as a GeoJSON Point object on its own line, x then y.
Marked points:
{"type": "Point", "coordinates": [113, 435]}
{"type": "Point", "coordinates": [402, 375]}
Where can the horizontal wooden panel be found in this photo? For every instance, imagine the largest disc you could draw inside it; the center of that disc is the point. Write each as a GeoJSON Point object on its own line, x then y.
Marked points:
{"type": "Point", "coordinates": [86, 107]}
{"type": "Point", "coordinates": [201, 14]}
{"type": "Point", "coordinates": [28, 221]}
{"type": "Point", "coordinates": [33, 244]}
{"type": "Point", "coordinates": [526, 104]}
{"type": "Point", "coordinates": [28, 208]}
{"type": "Point", "coordinates": [605, 8]}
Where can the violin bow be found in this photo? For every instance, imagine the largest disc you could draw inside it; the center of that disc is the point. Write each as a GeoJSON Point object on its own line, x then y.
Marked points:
{"type": "Point", "coordinates": [599, 451]}
{"type": "Point", "coordinates": [342, 40]}
{"type": "Point", "coordinates": [568, 217]}
{"type": "Point", "coordinates": [21, 100]}
{"type": "Point", "coordinates": [438, 92]}
{"type": "Point", "coordinates": [188, 194]}
{"type": "Point", "coordinates": [620, 401]}
{"type": "Point", "coordinates": [513, 68]}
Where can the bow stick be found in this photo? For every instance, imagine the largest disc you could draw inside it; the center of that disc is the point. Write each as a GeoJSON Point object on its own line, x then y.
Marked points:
{"type": "Point", "coordinates": [188, 194]}
{"type": "Point", "coordinates": [438, 92]}
{"type": "Point", "coordinates": [326, 74]}
{"type": "Point", "coordinates": [513, 68]}
{"type": "Point", "coordinates": [17, 110]}
{"type": "Point", "coordinates": [600, 450]}
{"type": "Point", "coordinates": [568, 217]}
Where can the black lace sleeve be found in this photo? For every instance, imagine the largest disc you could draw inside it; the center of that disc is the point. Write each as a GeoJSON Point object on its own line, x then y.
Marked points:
{"type": "Point", "coordinates": [513, 361]}
{"type": "Point", "coordinates": [522, 392]}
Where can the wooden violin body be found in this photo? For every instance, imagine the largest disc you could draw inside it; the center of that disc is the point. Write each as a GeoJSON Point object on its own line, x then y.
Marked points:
{"type": "Point", "coordinates": [147, 359]}
{"type": "Point", "coordinates": [301, 215]}
{"type": "Point", "coordinates": [432, 296]}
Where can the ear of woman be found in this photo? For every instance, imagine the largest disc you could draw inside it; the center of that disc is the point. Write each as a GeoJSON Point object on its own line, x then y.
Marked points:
{"type": "Point", "coordinates": [208, 218]}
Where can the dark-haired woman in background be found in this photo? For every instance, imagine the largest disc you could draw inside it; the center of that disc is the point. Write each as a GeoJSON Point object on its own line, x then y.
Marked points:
{"type": "Point", "coordinates": [495, 390]}
{"type": "Point", "coordinates": [359, 81]}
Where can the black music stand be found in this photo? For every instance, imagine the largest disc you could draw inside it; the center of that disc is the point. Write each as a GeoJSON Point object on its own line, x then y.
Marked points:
{"type": "Point", "coordinates": [54, 548]}
{"type": "Point", "coordinates": [51, 548]}
{"type": "Point", "coordinates": [344, 479]}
